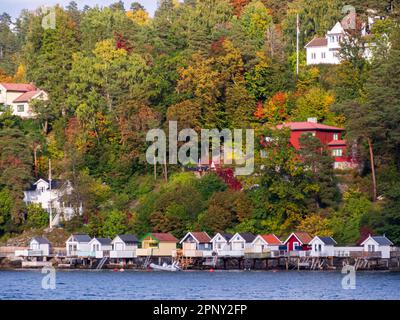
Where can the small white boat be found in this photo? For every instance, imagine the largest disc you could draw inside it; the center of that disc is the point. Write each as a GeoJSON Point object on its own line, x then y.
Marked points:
{"type": "Point", "coordinates": [165, 267]}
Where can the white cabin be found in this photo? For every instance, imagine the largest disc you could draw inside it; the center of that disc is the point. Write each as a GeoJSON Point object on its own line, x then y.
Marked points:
{"type": "Point", "coordinates": [322, 246]}
{"type": "Point", "coordinates": [54, 194]}
{"type": "Point", "coordinates": [18, 97]}
{"type": "Point", "coordinates": [196, 244]}
{"type": "Point", "coordinates": [266, 243]}
{"type": "Point", "coordinates": [124, 246]}
{"type": "Point", "coordinates": [379, 244]}
{"type": "Point", "coordinates": [220, 243]}
{"type": "Point", "coordinates": [78, 245]}
{"type": "Point", "coordinates": [38, 247]}
{"type": "Point", "coordinates": [100, 247]}
{"type": "Point", "coordinates": [241, 243]}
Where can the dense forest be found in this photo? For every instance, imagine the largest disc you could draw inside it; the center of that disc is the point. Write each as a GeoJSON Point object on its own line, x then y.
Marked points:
{"type": "Point", "coordinates": [114, 73]}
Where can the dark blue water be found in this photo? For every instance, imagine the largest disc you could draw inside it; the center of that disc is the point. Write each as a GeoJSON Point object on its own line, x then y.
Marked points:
{"type": "Point", "coordinates": [198, 285]}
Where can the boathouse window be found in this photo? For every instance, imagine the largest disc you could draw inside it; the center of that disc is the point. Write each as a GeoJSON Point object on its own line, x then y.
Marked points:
{"type": "Point", "coordinates": [337, 152]}
{"type": "Point", "coordinates": [335, 136]}
{"type": "Point", "coordinates": [20, 108]}
{"type": "Point", "coordinates": [313, 55]}
{"type": "Point", "coordinates": [242, 245]}
{"type": "Point", "coordinates": [371, 248]}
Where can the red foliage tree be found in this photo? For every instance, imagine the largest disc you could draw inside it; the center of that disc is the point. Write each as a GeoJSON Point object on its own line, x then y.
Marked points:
{"type": "Point", "coordinates": [122, 43]}
{"type": "Point", "coordinates": [238, 6]}
{"type": "Point", "coordinates": [228, 176]}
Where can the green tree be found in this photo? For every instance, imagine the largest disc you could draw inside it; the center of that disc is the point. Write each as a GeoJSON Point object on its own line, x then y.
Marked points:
{"type": "Point", "coordinates": [37, 217]}
{"type": "Point", "coordinates": [319, 167]}
{"type": "Point", "coordinates": [115, 222]}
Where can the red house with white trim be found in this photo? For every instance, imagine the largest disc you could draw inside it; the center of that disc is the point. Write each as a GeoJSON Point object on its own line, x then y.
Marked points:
{"type": "Point", "coordinates": [298, 241]}
{"type": "Point", "coordinates": [330, 137]}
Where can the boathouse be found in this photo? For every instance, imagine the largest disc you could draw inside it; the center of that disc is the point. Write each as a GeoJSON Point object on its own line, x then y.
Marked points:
{"type": "Point", "coordinates": [157, 244]}
{"type": "Point", "coordinates": [38, 247]}
{"type": "Point", "coordinates": [266, 243]}
{"type": "Point", "coordinates": [220, 242]}
{"type": "Point", "coordinates": [196, 244]}
{"type": "Point", "coordinates": [100, 247]}
{"type": "Point", "coordinates": [322, 246]}
{"type": "Point", "coordinates": [298, 241]}
{"type": "Point", "coordinates": [124, 246]}
{"type": "Point", "coordinates": [78, 245]}
{"type": "Point", "coordinates": [240, 243]}
{"type": "Point", "coordinates": [378, 244]}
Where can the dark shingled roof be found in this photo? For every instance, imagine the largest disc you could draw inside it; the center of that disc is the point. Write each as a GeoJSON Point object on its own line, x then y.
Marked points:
{"type": "Point", "coordinates": [128, 238]}
{"type": "Point", "coordinates": [41, 240]}
{"type": "Point", "coordinates": [226, 236]}
{"type": "Point", "coordinates": [248, 237]}
{"type": "Point", "coordinates": [82, 237]}
{"type": "Point", "coordinates": [55, 184]}
{"type": "Point", "coordinates": [104, 241]}
{"type": "Point", "coordinates": [328, 240]}
{"type": "Point", "coordinates": [382, 240]}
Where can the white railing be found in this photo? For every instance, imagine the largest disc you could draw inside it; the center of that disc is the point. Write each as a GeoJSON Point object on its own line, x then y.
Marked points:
{"type": "Point", "coordinates": [28, 253]}
{"type": "Point", "coordinates": [231, 253]}
{"type": "Point", "coordinates": [122, 254]}
{"type": "Point", "coordinates": [196, 253]}
{"type": "Point", "coordinates": [323, 253]}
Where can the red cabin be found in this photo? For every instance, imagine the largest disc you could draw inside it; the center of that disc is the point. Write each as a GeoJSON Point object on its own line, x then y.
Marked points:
{"type": "Point", "coordinates": [330, 137]}
{"type": "Point", "coordinates": [298, 241]}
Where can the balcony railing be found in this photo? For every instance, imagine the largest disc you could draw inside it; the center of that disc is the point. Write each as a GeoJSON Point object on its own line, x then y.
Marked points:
{"type": "Point", "coordinates": [29, 253]}
{"type": "Point", "coordinates": [122, 254]}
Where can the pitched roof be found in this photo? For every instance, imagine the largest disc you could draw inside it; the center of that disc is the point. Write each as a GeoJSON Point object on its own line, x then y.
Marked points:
{"type": "Point", "coordinates": [166, 237]}
{"type": "Point", "coordinates": [381, 240]}
{"type": "Point", "coordinates": [201, 237]}
{"type": "Point", "coordinates": [247, 236]}
{"type": "Point", "coordinates": [19, 87]}
{"type": "Point", "coordinates": [128, 238]}
{"type": "Point", "coordinates": [27, 96]}
{"type": "Point", "coordinates": [41, 240]}
{"type": "Point", "coordinates": [337, 143]}
{"type": "Point", "coordinates": [82, 237]}
{"type": "Point", "coordinates": [317, 42]}
{"type": "Point", "coordinates": [55, 184]}
{"type": "Point", "coordinates": [271, 239]}
{"type": "Point", "coordinates": [307, 126]}
{"type": "Point", "coordinates": [303, 237]}
{"type": "Point", "coordinates": [103, 241]}
{"type": "Point", "coordinates": [226, 236]}
{"type": "Point", "coordinates": [328, 241]}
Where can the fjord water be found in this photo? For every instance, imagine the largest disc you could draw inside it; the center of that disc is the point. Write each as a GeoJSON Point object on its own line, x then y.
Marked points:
{"type": "Point", "coordinates": [88, 285]}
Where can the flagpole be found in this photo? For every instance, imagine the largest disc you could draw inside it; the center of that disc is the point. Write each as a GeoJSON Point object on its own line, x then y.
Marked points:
{"type": "Point", "coordinates": [297, 42]}
{"type": "Point", "coordinates": [50, 207]}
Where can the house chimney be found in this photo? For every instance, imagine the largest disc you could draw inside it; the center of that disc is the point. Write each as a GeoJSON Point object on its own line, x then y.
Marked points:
{"type": "Point", "coordinates": [313, 120]}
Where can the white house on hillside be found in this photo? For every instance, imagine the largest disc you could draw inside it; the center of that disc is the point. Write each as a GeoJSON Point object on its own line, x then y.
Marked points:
{"type": "Point", "coordinates": [326, 50]}
{"type": "Point", "coordinates": [41, 193]}
{"type": "Point", "coordinates": [18, 97]}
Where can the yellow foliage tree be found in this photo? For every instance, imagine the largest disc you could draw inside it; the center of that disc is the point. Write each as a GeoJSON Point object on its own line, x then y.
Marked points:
{"type": "Point", "coordinates": [315, 225]}
{"type": "Point", "coordinates": [141, 17]}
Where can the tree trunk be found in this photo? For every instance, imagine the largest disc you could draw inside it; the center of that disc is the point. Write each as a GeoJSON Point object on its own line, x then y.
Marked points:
{"type": "Point", "coordinates": [371, 155]}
